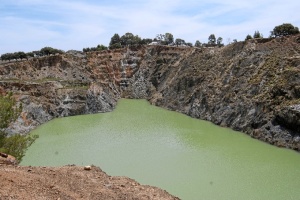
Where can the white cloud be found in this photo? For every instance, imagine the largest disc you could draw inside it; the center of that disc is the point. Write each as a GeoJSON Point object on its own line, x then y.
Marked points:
{"type": "Point", "coordinates": [28, 25]}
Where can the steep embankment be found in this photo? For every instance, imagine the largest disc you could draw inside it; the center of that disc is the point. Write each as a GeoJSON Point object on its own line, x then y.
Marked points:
{"type": "Point", "coordinates": [249, 86]}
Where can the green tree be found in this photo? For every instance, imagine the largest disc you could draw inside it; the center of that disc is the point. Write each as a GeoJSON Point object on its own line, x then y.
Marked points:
{"type": "Point", "coordinates": [115, 46]}
{"type": "Point", "coordinates": [165, 39]}
{"type": "Point", "coordinates": [197, 43]}
{"type": "Point", "coordinates": [179, 41]}
{"type": "Point", "coordinates": [9, 56]}
{"type": "Point", "coordinates": [101, 47]}
{"type": "Point", "coordinates": [212, 39]}
{"type": "Point", "coordinates": [8, 113]}
{"type": "Point", "coordinates": [115, 42]}
{"type": "Point", "coordinates": [248, 37]}
{"type": "Point", "coordinates": [219, 41]}
{"type": "Point", "coordinates": [5, 56]}
{"type": "Point", "coordinates": [15, 145]}
{"type": "Point", "coordinates": [189, 44]}
{"type": "Point", "coordinates": [86, 49]}
{"type": "Point", "coordinates": [160, 38]}
{"type": "Point", "coordinates": [37, 53]}
{"type": "Point", "coordinates": [257, 34]}
{"type": "Point", "coordinates": [128, 39]}
{"type": "Point", "coordinates": [21, 55]}
{"type": "Point", "coordinates": [284, 30]}
{"type": "Point", "coordinates": [98, 48]}
{"type": "Point", "coordinates": [146, 41]}
{"type": "Point", "coordinates": [46, 51]}
{"type": "Point", "coordinates": [169, 38]}
{"type": "Point", "coordinates": [29, 55]}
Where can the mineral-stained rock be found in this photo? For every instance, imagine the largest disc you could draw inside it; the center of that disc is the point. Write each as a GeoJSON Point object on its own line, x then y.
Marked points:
{"type": "Point", "coordinates": [250, 86]}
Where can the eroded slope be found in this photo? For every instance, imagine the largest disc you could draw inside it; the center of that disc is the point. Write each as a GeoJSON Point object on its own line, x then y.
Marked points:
{"type": "Point", "coordinates": [251, 86]}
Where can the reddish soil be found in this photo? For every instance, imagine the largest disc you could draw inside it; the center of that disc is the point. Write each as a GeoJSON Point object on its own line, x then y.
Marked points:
{"type": "Point", "coordinates": [71, 182]}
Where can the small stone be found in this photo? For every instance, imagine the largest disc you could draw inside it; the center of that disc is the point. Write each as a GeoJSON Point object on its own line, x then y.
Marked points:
{"type": "Point", "coordinates": [4, 155]}
{"type": "Point", "coordinates": [87, 167]}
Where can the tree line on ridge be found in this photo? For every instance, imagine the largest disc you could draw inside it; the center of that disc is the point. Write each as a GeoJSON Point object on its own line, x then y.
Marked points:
{"type": "Point", "coordinates": [129, 39]}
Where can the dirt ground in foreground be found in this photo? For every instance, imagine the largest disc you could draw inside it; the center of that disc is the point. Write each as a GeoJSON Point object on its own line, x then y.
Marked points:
{"type": "Point", "coordinates": [71, 182]}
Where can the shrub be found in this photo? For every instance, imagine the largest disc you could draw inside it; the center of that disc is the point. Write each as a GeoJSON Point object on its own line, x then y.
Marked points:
{"type": "Point", "coordinates": [15, 145]}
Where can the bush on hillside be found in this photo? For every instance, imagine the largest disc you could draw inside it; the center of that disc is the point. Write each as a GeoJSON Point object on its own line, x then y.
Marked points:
{"type": "Point", "coordinates": [15, 145]}
{"type": "Point", "coordinates": [284, 30]}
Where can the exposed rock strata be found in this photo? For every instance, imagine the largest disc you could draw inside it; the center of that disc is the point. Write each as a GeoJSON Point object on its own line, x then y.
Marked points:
{"type": "Point", "coordinates": [252, 86]}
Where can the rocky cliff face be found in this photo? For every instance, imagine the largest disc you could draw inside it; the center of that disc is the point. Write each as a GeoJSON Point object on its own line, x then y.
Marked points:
{"type": "Point", "coordinates": [252, 86]}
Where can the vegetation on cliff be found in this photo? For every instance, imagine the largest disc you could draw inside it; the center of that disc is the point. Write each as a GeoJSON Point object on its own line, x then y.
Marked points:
{"type": "Point", "coordinates": [15, 145]}
{"type": "Point", "coordinates": [22, 55]}
{"type": "Point", "coordinates": [97, 48]}
{"type": "Point", "coordinates": [284, 30]}
{"type": "Point", "coordinates": [129, 39]}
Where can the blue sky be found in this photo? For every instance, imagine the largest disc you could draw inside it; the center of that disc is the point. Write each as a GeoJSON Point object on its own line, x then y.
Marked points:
{"type": "Point", "coordinates": [27, 25]}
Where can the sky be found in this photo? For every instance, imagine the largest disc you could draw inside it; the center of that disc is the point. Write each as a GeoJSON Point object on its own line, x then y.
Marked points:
{"type": "Point", "coordinates": [28, 25]}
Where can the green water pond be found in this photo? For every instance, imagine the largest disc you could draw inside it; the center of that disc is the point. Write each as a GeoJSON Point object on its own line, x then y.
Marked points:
{"type": "Point", "coordinates": [190, 158]}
